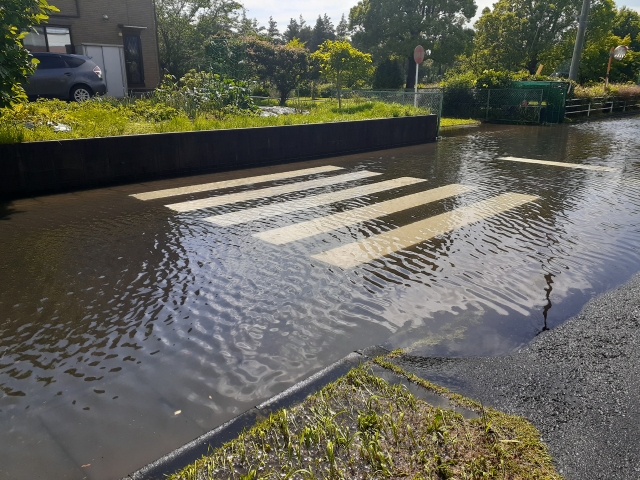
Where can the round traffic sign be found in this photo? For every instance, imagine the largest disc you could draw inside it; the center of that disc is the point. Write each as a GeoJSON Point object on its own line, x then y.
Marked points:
{"type": "Point", "coordinates": [418, 54]}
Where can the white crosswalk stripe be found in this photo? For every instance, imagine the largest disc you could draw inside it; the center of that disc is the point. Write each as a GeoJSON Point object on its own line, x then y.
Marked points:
{"type": "Point", "coordinates": [326, 224]}
{"type": "Point", "coordinates": [269, 192]}
{"type": "Point", "coordinates": [559, 164]}
{"type": "Point", "coordinates": [311, 201]}
{"type": "Point", "coordinates": [205, 187]}
{"type": "Point", "coordinates": [357, 253]}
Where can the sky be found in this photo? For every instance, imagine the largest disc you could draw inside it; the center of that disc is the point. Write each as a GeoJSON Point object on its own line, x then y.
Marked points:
{"type": "Point", "coordinates": [283, 10]}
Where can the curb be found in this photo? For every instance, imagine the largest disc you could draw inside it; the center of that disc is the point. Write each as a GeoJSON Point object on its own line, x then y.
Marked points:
{"type": "Point", "coordinates": [226, 432]}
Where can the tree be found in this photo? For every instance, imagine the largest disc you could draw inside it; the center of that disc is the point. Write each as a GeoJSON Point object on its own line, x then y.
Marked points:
{"type": "Point", "coordinates": [284, 66]}
{"type": "Point", "coordinates": [386, 28]}
{"type": "Point", "coordinates": [340, 63]}
{"type": "Point", "coordinates": [516, 33]}
{"type": "Point", "coordinates": [184, 25]}
{"type": "Point", "coordinates": [627, 22]}
{"type": "Point", "coordinates": [299, 30]}
{"type": "Point", "coordinates": [342, 30]}
{"type": "Point", "coordinates": [249, 26]}
{"type": "Point", "coordinates": [322, 31]}
{"type": "Point", "coordinates": [272, 31]}
{"type": "Point", "coordinates": [227, 56]}
{"type": "Point", "coordinates": [607, 28]}
{"type": "Point", "coordinates": [16, 17]}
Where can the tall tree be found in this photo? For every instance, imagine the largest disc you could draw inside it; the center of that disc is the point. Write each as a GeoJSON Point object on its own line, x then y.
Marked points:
{"type": "Point", "coordinates": [284, 66]}
{"type": "Point", "coordinates": [298, 29]}
{"type": "Point", "coordinates": [322, 31]}
{"type": "Point", "coordinates": [342, 30]}
{"type": "Point", "coordinates": [607, 28]}
{"type": "Point", "coordinates": [272, 31]}
{"type": "Point", "coordinates": [394, 27]}
{"type": "Point", "coordinates": [183, 26]}
{"type": "Point", "coordinates": [627, 22]}
{"type": "Point", "coordinates": [342, 64]}
{"type": "Point", "coordinates": [249, 26]}
{"type": "Point", "coordinates": [16, 17]}
{"type": "Point", "coordinates": [515, 33]}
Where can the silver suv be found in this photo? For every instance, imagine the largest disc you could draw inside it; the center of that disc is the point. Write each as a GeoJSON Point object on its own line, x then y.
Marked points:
{"type": "Point", "coordinates": [69, 77]}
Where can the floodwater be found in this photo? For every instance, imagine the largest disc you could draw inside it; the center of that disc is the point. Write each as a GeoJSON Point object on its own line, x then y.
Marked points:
{"type": "Point", "coordinates": [129, 325]}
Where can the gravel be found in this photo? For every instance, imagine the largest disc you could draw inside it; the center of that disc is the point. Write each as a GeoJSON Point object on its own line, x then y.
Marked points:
{"type": "Point", "coordinates": [579, 384]}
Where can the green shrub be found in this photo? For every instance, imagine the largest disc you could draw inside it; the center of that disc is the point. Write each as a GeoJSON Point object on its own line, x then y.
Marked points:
{"type": "Point", "coordinates": [388, 75]}
{"type": "Point", "coordinates": [325, 90]}
{"type": "Point", "coordinates": [458, 100]}
{"type": "Point", "coordinates": [203, 92]}
{"type": "Point", "coordinates": [494, 79]}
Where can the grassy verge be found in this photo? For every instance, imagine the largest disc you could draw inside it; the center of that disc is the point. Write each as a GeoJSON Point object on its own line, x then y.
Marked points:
{"type": "Point", "coordinates": [362, 427]}
{"type": "Point", "coordinates": [35, 121]}
{"type": "Point", "coordinates": [455, 122]}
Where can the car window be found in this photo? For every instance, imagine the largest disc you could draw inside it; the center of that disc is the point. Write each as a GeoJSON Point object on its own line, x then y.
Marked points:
{"type": "Point", "coordinates": [73, 62]}
{"type": "Point", "coordinates": [50, 61]}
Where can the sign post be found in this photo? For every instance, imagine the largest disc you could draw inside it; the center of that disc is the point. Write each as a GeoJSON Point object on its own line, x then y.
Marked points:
{"type": "Point", "coordinates": [418, 56]}
{"type": "Point", "coordinates": [618, 53]}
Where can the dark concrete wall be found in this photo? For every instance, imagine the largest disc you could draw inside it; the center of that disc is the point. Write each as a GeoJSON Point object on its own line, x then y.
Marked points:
{"type": "Point", "coordinates": [34, 168]}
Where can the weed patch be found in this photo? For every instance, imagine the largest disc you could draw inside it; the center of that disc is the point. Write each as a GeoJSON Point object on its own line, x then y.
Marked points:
{"type": "Point", "coordinates": [362, 427]}
{"type": "Point", "coordinates": [103, 117]}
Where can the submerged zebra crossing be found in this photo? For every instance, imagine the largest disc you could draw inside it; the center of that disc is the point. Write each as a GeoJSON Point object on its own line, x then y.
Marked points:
{"type": "Point", "coordinates": [351, 254]}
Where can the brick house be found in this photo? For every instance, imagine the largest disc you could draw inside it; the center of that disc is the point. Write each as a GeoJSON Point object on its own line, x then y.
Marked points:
{"type": "Point", "coordinates": [119, 35]}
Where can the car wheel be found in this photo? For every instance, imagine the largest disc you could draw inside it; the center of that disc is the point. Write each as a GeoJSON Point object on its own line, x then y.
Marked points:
{"type": "Point", "coordinates": [81, 93]}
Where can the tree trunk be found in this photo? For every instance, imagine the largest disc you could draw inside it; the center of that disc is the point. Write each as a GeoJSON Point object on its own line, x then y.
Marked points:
{"type": "Point", "coordinates": [283, 98]}
{"type": "Point", "coordinates": [411, 73]}
{"type": "Point", "coordinates": [338, 85]}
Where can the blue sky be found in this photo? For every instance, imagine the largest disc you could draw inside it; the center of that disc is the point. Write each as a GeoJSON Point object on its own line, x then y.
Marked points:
{"type": "Point", "coordinates": [283, 10]}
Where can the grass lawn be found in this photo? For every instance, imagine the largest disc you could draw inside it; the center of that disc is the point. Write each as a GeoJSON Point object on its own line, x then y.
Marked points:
{"type": "Point", "coordinates": [362, 427]}
{"type": "Point", "coordinates": [35, 121]}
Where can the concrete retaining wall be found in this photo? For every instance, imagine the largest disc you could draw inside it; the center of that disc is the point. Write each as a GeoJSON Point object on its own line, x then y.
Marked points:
{"type": "Point", "coordinates": [35, 168]}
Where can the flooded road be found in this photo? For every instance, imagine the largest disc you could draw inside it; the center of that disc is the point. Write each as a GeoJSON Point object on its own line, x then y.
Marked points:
{"type": "Point", "coordinates": [135, 318]}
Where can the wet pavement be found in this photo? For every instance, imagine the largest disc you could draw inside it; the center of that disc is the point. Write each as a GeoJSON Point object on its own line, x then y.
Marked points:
{"type": "Point", "coordinates": [132, 322]}
{"type": "Point", "coordinates": [579, 384]}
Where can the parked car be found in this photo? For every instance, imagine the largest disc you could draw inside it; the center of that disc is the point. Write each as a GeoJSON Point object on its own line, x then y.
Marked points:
{"type": "Point", "coordinates": [65, 76]}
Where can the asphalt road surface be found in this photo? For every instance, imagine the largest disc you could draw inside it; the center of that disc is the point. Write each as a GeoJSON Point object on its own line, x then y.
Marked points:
{"type": "Point", "coordinates": [578, 383]}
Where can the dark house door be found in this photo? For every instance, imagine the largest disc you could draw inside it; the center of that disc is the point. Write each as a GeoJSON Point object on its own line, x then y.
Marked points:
{"type": "Point", "coordinates": [133, 60]}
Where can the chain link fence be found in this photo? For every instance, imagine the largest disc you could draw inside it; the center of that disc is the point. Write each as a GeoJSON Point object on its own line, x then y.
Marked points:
{"type": "Point", "coordinates": [428, 100]}
{"type": "Point", "coordinates": [499, 105]}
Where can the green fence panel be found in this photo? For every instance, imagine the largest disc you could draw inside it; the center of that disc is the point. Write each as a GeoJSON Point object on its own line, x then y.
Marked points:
{"type": "Point", "coordinates": [554, 98]}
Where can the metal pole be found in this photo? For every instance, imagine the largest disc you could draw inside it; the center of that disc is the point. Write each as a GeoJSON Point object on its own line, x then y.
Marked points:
{"type": "Point", "coordinates": [577, 48]}
{"type": "Point", "coordinates": [415, 88]}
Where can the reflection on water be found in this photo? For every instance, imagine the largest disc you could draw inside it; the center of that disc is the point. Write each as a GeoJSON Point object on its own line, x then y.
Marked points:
{"type": "Point", "coordinates": [116, 313]}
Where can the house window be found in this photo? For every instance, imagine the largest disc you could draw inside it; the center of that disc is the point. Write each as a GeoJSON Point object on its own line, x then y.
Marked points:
{"type": "Point", "coordinates": [48, 39]}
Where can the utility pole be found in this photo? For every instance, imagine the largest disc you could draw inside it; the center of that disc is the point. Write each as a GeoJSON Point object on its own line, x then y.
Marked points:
{"type": "Point", "coordinates": [577, 48]}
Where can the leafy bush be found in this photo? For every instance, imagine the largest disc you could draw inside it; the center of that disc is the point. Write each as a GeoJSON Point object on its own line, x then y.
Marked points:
{"type": "Point", "coordinates": [199, 93]}
{"type": "Point", "coordinates": [458, 99]}
{"type": "Point", "coordinates": [494, 79]}
{"type": "Point", "coordinates": [325, 90]}
{"type": "Point", "coordinates": [594, 90]}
